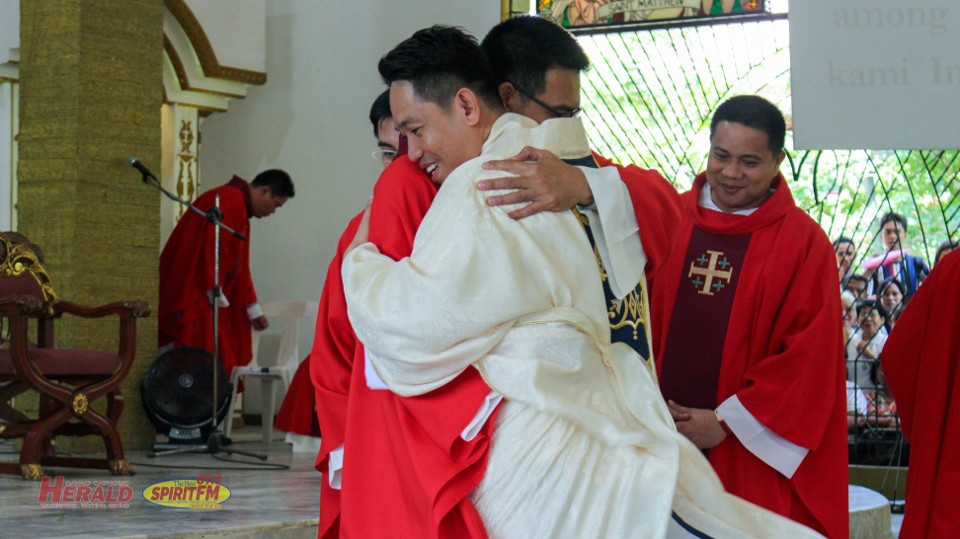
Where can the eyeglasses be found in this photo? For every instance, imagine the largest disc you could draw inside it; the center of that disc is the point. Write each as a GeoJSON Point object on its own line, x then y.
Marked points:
{"type": "Point", "coordinates": [384, 155]}
{"type": "Point", "coordinates": [557, 113]}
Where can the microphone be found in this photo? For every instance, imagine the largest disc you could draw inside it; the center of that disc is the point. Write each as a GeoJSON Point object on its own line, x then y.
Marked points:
{"type": "Point", "coordinates": [135, 163]}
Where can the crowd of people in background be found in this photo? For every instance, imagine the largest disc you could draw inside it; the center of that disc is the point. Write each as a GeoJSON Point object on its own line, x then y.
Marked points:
{"type": "Point", "coordinates": [872, 302]}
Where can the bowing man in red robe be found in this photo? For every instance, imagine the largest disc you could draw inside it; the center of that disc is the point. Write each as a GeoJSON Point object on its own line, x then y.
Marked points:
{"type": "Point", "coordinates": [747, 329]}
{"type": "Point", "coordinates": [187, 276]}
{"type": "Point", "coordinates": [921, 360]}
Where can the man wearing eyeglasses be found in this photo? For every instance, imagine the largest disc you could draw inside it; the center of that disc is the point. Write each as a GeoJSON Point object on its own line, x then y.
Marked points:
{"type": "Point", "coordinates": [537, 65]}
{"type": "Point", "coordinates": [388, 138]}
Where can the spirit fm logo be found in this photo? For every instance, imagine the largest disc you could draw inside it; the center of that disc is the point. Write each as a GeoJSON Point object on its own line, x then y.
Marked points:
{"type": "Point", "coordinates": [204, 492]}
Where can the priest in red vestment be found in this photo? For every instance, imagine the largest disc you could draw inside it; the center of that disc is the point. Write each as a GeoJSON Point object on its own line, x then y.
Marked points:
{"type": "Point", "coordinates": [747, 329]}
{"type": "Point", "coordinates": [187, 275]}
{"type": "Point", "coordinates": [920, 361]}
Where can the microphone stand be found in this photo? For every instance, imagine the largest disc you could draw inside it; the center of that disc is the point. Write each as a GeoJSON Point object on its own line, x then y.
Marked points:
{"type": "Point", "coordinates": [216, 441]}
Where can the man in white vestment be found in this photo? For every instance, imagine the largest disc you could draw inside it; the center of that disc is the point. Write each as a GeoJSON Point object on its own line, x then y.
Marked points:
{"type": "Point", "coordinates": [583, 444]}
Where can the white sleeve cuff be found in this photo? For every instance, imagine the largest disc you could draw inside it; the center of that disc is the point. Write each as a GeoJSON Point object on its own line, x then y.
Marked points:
{"type": "Point", "coordinates": [370, 374]}
{"type": "Point", "coordinates": [486, 408]}
{"type": "Point", "coordinates": [335, 466]}
{"type": "Point", "coordinates": [254, 311]}
{"type": "Point", "coordinates": [615, 229]}
{"type": "Point", "coordinates": [778, 453]}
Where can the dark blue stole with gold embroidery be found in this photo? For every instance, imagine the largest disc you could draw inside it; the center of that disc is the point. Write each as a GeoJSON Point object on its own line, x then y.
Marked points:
{"type": "Point", "coordinates": [628, 317]}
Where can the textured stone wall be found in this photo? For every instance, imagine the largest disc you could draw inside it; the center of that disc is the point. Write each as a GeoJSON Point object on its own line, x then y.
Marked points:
{"type": "Point", "coordinates": [91, 91]}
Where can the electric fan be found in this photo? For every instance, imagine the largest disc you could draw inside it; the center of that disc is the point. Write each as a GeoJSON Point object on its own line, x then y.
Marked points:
{"type": "Point", "coordinates": [178, 395]}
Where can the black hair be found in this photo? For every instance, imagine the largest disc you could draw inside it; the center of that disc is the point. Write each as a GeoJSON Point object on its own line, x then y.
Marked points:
{"type": "Point", "coordinates": [380, 111]}
{"type": "Point", "coordinates": [947, 245]}
{"type": "Point", "coordinates": [438, 61]}
{"type": "Point", "coordinates": [277, 180]}
{"type": "Point", "coordinates": [892, 281]}
{"type": "Point", "coordinates": [856, 277]}
{"type": "Point", "coordinates": [522, 49]}
{"type": "Point", "coordinates": [895, 217]}
{"type": "Point", "coordinates": [755, 112]}
{"type": "Point", "coordinates": [871, 305]}
{"type": "Point", "coordinates": [843, 239]}
{"type": "Point", "coordinates": [875, 373]}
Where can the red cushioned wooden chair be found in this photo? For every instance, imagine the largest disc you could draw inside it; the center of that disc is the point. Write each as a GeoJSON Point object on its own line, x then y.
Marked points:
{"type": "Point", "coordinates": [68, 381]}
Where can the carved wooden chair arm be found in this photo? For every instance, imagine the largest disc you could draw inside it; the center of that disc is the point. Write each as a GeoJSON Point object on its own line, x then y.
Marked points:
{"type": "Point", "coordinates": [124, 309]}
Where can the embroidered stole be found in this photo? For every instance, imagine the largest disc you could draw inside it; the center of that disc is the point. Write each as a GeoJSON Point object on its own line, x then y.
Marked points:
{"type": "Point", "coordinates": [628, 318]}
{"type": "Point", "coordinates": [701, 314]}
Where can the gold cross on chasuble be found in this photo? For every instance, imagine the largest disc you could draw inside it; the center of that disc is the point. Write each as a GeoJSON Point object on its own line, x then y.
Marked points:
{"type": "Point", "coordinates": [693, 351]}
{"type": "Point", "coordinates": [706, 266]}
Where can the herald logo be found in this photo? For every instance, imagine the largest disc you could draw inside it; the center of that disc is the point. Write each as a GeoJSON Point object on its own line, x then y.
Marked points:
{"type": "Point", "coordinates": [59, 493]}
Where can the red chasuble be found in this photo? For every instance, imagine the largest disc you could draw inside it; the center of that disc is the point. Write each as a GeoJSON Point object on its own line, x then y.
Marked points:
{"type": "Point", "coordinates": [186, 274]}
{"type": "Point", "coordinates": [406, 471]}
{"type": "Point", "coordinates": [921, 360]}
{"type": "Point", "coordinates": [779, 348]}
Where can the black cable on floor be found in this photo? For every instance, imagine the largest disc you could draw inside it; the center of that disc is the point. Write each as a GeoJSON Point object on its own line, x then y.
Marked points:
{"type": "Point", "coordinates": [252, 466]}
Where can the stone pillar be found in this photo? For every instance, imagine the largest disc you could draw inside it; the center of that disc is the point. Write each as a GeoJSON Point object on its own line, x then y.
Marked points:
{"type": "Point", "coordinates": [91, 90]}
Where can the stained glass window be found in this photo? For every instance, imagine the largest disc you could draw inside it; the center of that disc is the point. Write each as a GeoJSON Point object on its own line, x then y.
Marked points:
{"type": "Point", "coordinates": [599, 13]}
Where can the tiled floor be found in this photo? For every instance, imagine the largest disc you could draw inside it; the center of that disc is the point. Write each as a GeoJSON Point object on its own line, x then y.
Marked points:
{"type": "Point", "coordinates": [263, 502]}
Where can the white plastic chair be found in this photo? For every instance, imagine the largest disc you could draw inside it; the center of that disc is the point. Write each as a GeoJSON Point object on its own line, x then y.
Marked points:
{"type": "Point", "coordinates": [287, 359]}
